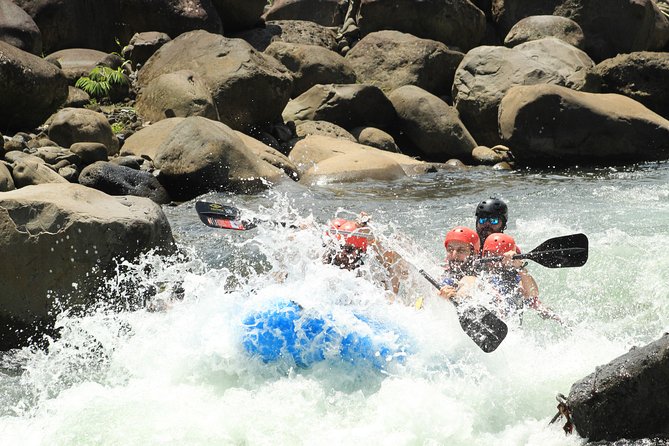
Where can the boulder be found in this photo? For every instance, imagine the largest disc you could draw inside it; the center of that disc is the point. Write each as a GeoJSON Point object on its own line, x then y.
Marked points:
{"type": "Point", "coordinates": [642, 76]}
{"type": "Point", "coordinates": [547, 125]}
{"type": "Point", "coordinates": [146, 142]}
{"type": "Point", "coordinates": [486, 74]}
{"type": "Point", "coordinates": [72, 125]}
{"type": "Point", "coordinates": [539, 26]}
{"type": "Point", "coordinates": [311, 65]}
{"type": "Point", "coordinates": [609, 27]}
{"type": "Point", "coordinates": [30, 170]}
{"type": "Point", "coordinates": [142, 46]}
{"type": "Point", "coordinates": [64, 240]}
{"type": "Point", "coordinates": [113, 179]}
{"type": "Point", "coordinates": [321, 159]}
{"type": "Point", "coordinates": [30, 91]}
{"type": "Point", "coordinates": [373, 137]}
{"type": "Point", "coordinates": [430, 126]}
{"type": "Point", "coordinates": [239, 14]}
{"type": "Point", "coordinates": [626, 398]}
{"type": "Point", "coordinates": [270, 155]}
{"type": "Point", "coordinates": [457, 23]}
{"type": "Point", "coordinates": [200, 155]}
{"type": "Point", "coordinates": [90, 152]}
{"type": "Point", "coordinates": [289, 31]}
{"type": "Point", "coordinates": [249, 88]}
{"type": "Point", "coordinates": [324, 128]}
{"type": "Point", "coordinates": [76, 98]}
{"type": "Point", "coordinates": [18, 29]}
{"type": "Point", "coordinates": [391, 59]}
{"type": "Point", "coordinates": [6, 180]}
{"type": "Point", "coordinates": [178, 94]}
{"type": "Point", "coordinates": [78, 62]}
{"type": "Point", "coordinates": [349, 106]}
{"type": "Point", "coordinates": [79, 24]}
{"type": "Point", "coordinates": [322, 12]}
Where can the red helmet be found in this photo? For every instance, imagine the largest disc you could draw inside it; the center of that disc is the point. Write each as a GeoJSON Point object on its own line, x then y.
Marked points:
{"type": "Point", "coordinates": [497, 244]}
{"type": "Point", "coordinates": [350, 232]}
{"type": "Point", "coordinates": [463, 234]}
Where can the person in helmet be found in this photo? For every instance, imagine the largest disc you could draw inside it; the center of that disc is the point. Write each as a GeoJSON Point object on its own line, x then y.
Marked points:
{"type": "Point", "coordinates": [462, 247]}
{"type": "Point", "coordinates": [512, 288]}
{"type": "Point", "coordinates": [492, 215]}
{"type": "Point", "coordinates": [350, 242]}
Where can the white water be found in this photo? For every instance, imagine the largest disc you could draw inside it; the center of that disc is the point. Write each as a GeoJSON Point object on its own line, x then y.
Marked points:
{"type": "Point", "coordinates": [181, 377]}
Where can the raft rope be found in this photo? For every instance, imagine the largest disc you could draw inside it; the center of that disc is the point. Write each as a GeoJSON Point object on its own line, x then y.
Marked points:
{"type": "Point", "coordinates": [563, 411]}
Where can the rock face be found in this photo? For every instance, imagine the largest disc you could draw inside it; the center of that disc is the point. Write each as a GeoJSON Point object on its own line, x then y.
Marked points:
{"type": "Point", "coordinates": [238, 15]}
{"type": "Point", "coordinates": [73, 125]}
{"type": "Point", "coordinates": [289, 31]}
{"type": "Point", "coordinates": [626, 398]}
{"type": "Point", "coordinates": [322, 12]}
{"type": "Point", "coordinates": [549, 125]}
{"type": "Point", "coordinates": [63, 240]}
{"type": "Point", "coordinates": [31, 89]}
{"type": "Point", "coordinates": [248, 87]}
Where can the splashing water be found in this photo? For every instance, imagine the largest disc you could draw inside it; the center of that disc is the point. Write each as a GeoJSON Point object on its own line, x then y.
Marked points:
{"type": "Point", "coordinates": [177, 373]}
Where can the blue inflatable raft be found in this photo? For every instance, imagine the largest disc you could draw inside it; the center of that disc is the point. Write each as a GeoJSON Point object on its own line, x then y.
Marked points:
{"type": "Point", "coordinates": [286, 330]}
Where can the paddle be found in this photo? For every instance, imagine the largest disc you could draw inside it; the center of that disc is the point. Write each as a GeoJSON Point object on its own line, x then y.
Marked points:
{"type": "Point", "coordinates": [229, 217]}
{"type": "Point", "coordinates": [559, 252]}
{"type": "Point", "coordinates": [479, 323]}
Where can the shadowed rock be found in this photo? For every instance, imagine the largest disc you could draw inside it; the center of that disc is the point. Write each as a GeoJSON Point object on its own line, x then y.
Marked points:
{"type": "Point", "coordinates": [289, 31]}
{"type": "Point", "coordinates": [113, 179]}
{"type": "Point", "coordinates": [17, 28]}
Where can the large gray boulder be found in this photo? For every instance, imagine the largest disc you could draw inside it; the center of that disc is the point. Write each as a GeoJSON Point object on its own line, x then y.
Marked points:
{"type": "Point", "coordinates": [200, 155]}
{"type": "Point", "coordinates": [486, 73]}
{"type": "Point", "coordinates": [642, 76]}
{"type": "Point", "coordinates": [457, 23]}
{"type": "Point", "coordinates": [431, 126]}
{"type": "Point", "coordinates": [249, 88]}
{"type": "Point", "coordinates": [78, 62]}
{"type": "Point", "coordinates": [17, 28]}
{"type": "Point", "coordinates": [31, 89]}
{"type": "Point", "coordinates": [113, 179]}
{"type": "Point", "coordinates": [178, 94]}
{"type": "Point", "coordinates": [289, 31]}
{"type": "Point", "coordinates": [626, 398]}
{"type": "Point", "coordinates": [63, 241]}
{"type": "Point", "coordinates": [311, 65]}
{"type": "Point", "coordinates": [609, 27]}
{"type": "Point", "coordinates": [391, 59]}
{"type": "Point", "coordinates": [540, 26]}
{"type": "Point", "coordinates": [349, 106]}
{"type": "Point", "coordinates": [81, 24]}
{"type": "Point", "coordinates": [548, 125]}
{"type": "Point", "coordinates": [72, 125]}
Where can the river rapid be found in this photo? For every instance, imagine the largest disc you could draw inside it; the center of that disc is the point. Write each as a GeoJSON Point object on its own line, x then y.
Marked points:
{"type": "Point", "coordinates": [180, 376]}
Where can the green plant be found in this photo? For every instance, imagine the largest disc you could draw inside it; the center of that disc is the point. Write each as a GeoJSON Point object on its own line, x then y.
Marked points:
{"type": "Point", "coordinates": [101, 80]}
{"type": "Point", "coordinates": [117, 127]}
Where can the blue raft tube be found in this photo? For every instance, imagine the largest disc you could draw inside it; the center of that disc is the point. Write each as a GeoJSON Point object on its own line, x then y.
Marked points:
{"type": "Point", "coordinates": [286, 330]}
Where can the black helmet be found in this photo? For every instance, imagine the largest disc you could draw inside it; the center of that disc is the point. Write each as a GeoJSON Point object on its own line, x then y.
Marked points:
{"type": "Point", "coordinates": [492, 207]}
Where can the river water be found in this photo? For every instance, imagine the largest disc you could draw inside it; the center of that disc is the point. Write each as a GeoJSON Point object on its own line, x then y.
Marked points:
{"type": "Point", "coordinates": [180, 376]}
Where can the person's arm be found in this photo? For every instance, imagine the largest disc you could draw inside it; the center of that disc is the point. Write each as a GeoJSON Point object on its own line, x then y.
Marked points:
{"type": "Point", "coordinates": [530, 291]}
